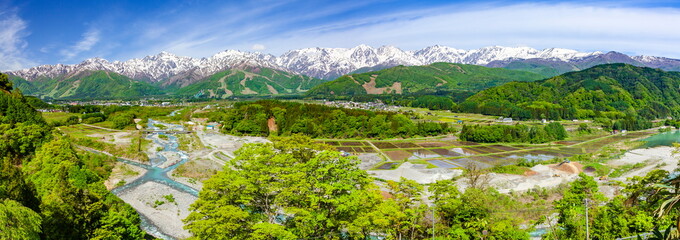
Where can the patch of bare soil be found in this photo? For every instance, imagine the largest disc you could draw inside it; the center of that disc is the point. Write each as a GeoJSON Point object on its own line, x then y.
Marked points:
{"type": "Point", "coordinates": [371, 89]}
{"type": "Point", "coordinates": [398, 155]}
{"type": "Point", "coordinates": [223, 85]}
{"type": "Point", "coordinates": [271, 89]}
{"type": "Point", "coordinates": [124, 173]}
{"type": "Point", "coordinates": [113, 137]}
{"type": "Point", "coordinates": [200, 169]}
{"type": "Point", "coordinates": [247, 90]}
{"type": "Point", "coordinates": [571, 167]}
{"type": "Point", "coordinates": [271, 123]}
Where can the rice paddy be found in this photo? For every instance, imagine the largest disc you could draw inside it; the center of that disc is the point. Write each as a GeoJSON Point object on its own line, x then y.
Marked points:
{"type": "Point", "coordinates": [462, 154]}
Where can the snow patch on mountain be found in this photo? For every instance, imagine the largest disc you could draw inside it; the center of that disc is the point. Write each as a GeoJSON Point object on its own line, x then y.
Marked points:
{"type": "Point", "coordinates": [316, 62]}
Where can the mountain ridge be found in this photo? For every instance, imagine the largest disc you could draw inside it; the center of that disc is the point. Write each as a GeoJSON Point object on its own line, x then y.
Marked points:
{"type": "Point", "coordinates": [330, 63]}
{"type": "Point", "coordinates": [430, 78]}
{"type": "Point", "coordinates": [610, 91]}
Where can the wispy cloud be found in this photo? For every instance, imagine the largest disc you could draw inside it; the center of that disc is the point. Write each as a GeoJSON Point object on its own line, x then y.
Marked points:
{"type": "Point", "coordinates": [583, 27]}
{"type": "Point", "coordinates": [258, 47]}
{"type": "Point", "coordinates": [89, 39]}
{"type": "Point", "coordinates": [200, 30]}
{"type": "Point", "coordinates": [12, 43]}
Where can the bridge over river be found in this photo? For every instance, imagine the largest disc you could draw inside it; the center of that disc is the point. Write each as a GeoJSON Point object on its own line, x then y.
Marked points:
{"type": "Point", "coordinates": [167, 131]}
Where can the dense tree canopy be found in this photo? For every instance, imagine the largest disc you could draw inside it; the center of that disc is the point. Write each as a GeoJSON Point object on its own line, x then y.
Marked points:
{"type": "Point", "coordinates": [18, 222]}
{"type": "Point", "coordinates": [50, 191]}
{"type": "Point", "coordinates": [256, 118]}
{"type": "Point", "coordinates": [290, 189]}
{"type": "Point", "coordinates": [513, 133]}
{"type": "Point", "coordinates": [612, 91]}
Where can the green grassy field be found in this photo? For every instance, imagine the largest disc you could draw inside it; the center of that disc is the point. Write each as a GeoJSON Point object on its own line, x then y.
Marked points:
{"type": "Point", "coordinates": [51, 117]}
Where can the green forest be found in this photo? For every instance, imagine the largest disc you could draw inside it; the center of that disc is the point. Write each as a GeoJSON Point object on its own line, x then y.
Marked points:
{"type": "Point", "coordinates": [87, 85]}
{"type": "Point", "coordinates": [613, 91]}
{"type": "Point", "coordinates": [513, 133]}
{"type": "Point", "coordinates": [48, 188]}
{"type": "Point", "coordinates": [271, 117]}
{"type": "Point", "coordinates": [252, 81]}
{"type": "Point", "coordinates": [426, 79]}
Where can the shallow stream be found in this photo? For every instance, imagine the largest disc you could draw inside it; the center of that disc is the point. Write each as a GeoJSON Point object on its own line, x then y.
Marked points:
{"type": "Point", "coordinates": [157, 170]}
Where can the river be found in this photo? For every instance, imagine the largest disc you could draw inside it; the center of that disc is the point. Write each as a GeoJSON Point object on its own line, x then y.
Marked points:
{"type": "Point", "coordinates": [662, 139]}
{"type": "Point", "coordinates": [157, 171]}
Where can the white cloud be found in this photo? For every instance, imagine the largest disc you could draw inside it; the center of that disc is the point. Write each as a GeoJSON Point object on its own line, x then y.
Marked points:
{"type": "Point", "coordinates": [12, 44]}
{"type": "Point", "coordinates": [258, 47]}
{"type": "Point", "coordinates": [589, 26]}
{"type": "Point", "coordinates": [586, 28]}
{"type": "Point", "coordinates": [90, 38]}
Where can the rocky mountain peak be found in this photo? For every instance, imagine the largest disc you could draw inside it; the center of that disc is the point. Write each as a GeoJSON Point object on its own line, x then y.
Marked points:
{"type": "Point", "coordinates": [328, 63]}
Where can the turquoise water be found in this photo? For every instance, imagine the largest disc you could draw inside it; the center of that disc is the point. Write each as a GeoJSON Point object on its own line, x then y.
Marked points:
{"type": "Point", "coordinates": [662, 139]}
{"type": "Point", "coordinates": [157, 174]}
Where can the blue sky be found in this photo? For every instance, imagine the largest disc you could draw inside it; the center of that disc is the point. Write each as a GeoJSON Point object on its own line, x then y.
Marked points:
{"type": "Point", "coordinates": [34, 32]}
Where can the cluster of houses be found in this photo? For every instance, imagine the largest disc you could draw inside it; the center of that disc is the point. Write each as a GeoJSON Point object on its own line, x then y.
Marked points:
{"type": "Point", "coordinates": [126, 103]}
{"type": "Point", "coordinates": [204, 122]}
{"type": "Point", "coordinates": [373, 106]}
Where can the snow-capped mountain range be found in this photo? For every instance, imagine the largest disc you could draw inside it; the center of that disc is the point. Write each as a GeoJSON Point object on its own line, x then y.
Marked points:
{"type": "Point", "coordinates": [317, 62]}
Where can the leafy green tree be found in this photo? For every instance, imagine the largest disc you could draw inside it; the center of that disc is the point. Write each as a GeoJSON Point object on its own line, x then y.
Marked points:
{"type": "Point", "coordinates": [13, 185]}
{"type": "Point", "coordinates": [571, 207]}
{"type": "Point", "coordinates": [21, 139]}
{"type": "Point", "coordinates": [513, 133]}
{"type": "Point", "coordinates": [74, 202]}
{"type": "Point", "coordinates": [5, 84]}
{"type": "Point", "coordinates": [378, 126]}
{"type": "Point", "coordinates": [72, 120]}
{"type": "Point", "coordinates": [119, 225]}
{"type": "Point", "coordinates": [122, 120]}
{"type": "Point", "coordinates": [476, 213]}
{"type": "Point", "coordinates": [18, 222]}
{"type": "Point", "coordinates": [293, 188]}
{"type": "Point", "coordinates": [406, 210]}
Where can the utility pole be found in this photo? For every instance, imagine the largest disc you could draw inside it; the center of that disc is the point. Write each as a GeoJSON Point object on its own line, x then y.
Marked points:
{"type": "Point", "coordinates": [139, 143]}
{"type": "Point", "coordinates": [433, 218]}
{"type": "Point", "coordinates": [587, 230]}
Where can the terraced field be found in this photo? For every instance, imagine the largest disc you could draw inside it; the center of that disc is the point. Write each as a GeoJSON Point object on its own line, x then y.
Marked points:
{"type": "Point", "coordinates": [461, 154]}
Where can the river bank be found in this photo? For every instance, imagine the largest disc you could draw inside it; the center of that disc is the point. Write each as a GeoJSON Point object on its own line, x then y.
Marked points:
{"type": "Point", "coordinates": [163, 190]}
{"type": "Point", "coordinates": [164, 206]}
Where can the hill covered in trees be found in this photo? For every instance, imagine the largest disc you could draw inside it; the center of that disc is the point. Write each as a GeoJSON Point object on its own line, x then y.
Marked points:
{"type": "Point", "coordinates": [554, 67]}
{"type": "Point", "coordinates": [421, 79]}
{"type": "Point", "coordinates": [86, 85]}
{"type": "Point", "coordinates": [269, 117]}
{"type": "Point", "coordinates": [248, 81]}
{"type": "Point", "coordinates": [48, 190]}
{"type": "Point", "coordinates": [611, 91]}
{"type": "Point", "coordinates": [109, 85]}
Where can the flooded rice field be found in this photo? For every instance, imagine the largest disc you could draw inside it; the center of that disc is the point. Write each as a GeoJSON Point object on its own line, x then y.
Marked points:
{"type": "Point", "coordinates": [463, 154]}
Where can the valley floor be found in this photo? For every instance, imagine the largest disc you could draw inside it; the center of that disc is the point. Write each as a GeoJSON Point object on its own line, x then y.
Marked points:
{"type": "Point", "coordinates": [213, 149]}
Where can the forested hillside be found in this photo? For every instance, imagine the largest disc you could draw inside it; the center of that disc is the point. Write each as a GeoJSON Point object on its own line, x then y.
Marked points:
{"type": "Point", "coordinates": [48, 190]}
{"type": "Point", "coordinates": [421, 79]}
{"type": "Point", "coordinates": [554, 67]}
{"type": "Point", "coordinates": [264, 118]}
{"type": "Point", "coordinates": [87, 85]}
{"type": "Point", "coordinates": [249, 81]}
{"type": "Point", "coordinates": [606, 91]}
{"type": "Point", "coordinates": [109, 85]}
